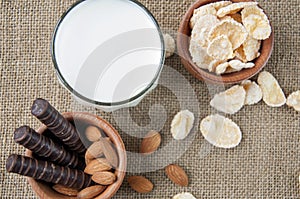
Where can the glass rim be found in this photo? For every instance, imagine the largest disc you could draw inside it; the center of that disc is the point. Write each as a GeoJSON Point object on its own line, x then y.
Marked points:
{"type": "Point", "coordinates": [98, 103]}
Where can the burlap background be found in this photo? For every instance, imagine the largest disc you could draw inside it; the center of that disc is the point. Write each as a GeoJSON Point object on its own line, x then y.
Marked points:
{"type": "Point", "coordinates": [265, 165]}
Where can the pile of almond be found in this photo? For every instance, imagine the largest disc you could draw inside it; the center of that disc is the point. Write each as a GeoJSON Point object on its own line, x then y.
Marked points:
{"type": "Point", "coordinates": [101, 161]}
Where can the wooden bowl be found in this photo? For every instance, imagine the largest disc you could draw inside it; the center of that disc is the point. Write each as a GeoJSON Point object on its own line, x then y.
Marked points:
{"type": "Point", "coordinates": [183, 42]}
{"type": "Point", "coordinates": [44, 191]}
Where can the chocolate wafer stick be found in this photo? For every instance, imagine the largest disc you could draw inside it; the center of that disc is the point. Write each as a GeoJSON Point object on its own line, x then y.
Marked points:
{"type": "Point", "coordinates": [48, 172]}
{"type": "Point", "coordinates": [58, 125]}
{"type": "Point", "coordinates": [45, 147]}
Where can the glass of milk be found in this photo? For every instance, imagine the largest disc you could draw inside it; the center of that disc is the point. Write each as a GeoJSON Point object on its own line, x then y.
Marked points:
{"type": "Point", "coordinates": [108, 53]}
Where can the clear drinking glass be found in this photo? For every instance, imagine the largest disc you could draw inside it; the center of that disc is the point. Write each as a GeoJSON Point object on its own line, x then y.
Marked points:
{"type": "Point", "coordinates": [108, 53]}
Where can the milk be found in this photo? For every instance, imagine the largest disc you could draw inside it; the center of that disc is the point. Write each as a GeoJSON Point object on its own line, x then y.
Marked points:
{"type": "Point", "coordinates": [108, 51]}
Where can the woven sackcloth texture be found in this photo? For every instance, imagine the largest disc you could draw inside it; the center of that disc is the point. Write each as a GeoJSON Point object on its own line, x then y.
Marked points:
{"type": "Point", "coordinates": [265, 165]}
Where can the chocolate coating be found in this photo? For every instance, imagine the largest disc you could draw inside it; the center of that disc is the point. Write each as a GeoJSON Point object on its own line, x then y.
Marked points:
{"type": "Point", "coordinates": [45, 147]}
{"type": "Point", "coordinates": [48, 172]}
{"type": "Point", "coordinates": [58, 125]}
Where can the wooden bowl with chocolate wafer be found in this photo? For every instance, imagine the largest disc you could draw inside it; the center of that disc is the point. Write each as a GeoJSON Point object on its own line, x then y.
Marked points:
{"type": "Point", "coordinates": [83, 121]}
{"type": "Point", "coordinates": [208, 73]}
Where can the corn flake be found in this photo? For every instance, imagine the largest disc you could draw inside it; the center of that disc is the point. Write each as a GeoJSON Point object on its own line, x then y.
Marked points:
{"type": "Point", "coordinates": [182, 124]}
{"type": "Point", "coordinates": [230, 70]}
{"type": "Point", "coordinates": [235, 32]}
{"type": "Point", "coordinates": [294, 100]}
{"type": "Point", "coordinates": [272, 93]}
{"type": "Point", "coordinates": [170, 45]}
{"type": "Point", "coordinates": [220, 48]}
{"type": "Point", "coordinates": [213, 65]}
{"type": "Point", "coordinates": [221, 131]}
{"type": "Point", "coordinates": [199, 55]}
{"type": "Point", "coordinates": [254, 10]}
{"type": "Point", "coordinates": [240, 54]}
{"type": "Point", "coordinates": [220, 4]}
{"type": "Point", "coordinates": [238, 65]}
{"type": "Point", "coordinates": [229, 101]}
{"type": "Point", "coordinates": [202, 11]}
{"type": "Point", "coordinates": [209, 9]}
{"type": "Point", "coordinates": [251, 48]}
{"type": "Point", "coordinates": [184, 195]}
{"type": "Point", "coordinates": [257, 27]}
{"type": "Point", "coordinates": [234, 8]}
{"type": "Point", "coordinates": [202, 28]}
{"type": "Point", "coordinates": [221, 68]}
{"type": "Point", "coordinates": [253, 92]}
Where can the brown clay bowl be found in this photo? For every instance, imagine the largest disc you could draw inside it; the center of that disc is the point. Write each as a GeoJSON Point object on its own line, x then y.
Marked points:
{"type": "Point", "coordinates": [44, 191]}
{"type": "Point", "coordinates": [183, 42]}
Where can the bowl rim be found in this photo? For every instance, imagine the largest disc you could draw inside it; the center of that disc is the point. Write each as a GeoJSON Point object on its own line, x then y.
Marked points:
{"type": "Point", "coordinates": [46, 192]}
{"type": "Point", "coordinates": [183, 41]}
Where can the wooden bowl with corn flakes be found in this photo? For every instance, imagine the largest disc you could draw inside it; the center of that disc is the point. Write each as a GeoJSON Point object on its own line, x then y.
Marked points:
{"type": "Point", "coordinates": [225, 42]}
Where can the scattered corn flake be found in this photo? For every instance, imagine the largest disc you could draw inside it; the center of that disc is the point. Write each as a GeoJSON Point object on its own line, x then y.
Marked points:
{"type": "Point", "coordinates": [272, 93]}
{"type": "Point", "coordinates": [234, 8]}
{"type": "Point", "coordinates": [202, 11]}
{"type": "Point", "coordinates": [294, 100]}
{"type": "Point", "coordinates": [235, 32]}
{"type": "Point", "coordinates": [221, 68]}
{"type": "Point", "coordinates": [253, 92]}
{"type": "Point", "coordinates": [229, 101]}
{"type": "Point", "coordinates": [202, 28]}
{"type": "Point", "coordinates": [199, 55]}
{"type": "Point", "coordinates": [169, 45]}
{"type": "Point", "coordinates": [182, 124]}
{"type": "Point", "coordinates": [184, 195]}
{"type": "Point", "coordinates": [257, 27]}
{"type": "Point", "coordinates": [220, 48]}
{"type": "Point", "coordinates": [221, 131]}
{"type": "Point", "coordinates": [255, 10]}
{"type": "Point", "coordinates": [239, 65]}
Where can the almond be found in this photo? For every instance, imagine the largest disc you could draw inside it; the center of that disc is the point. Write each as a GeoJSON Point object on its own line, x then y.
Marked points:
{"type": "Point", "coordinates": [177, 175]}
{"type": "Point", "coordinates": [150, 143]}
{"type": "Point", "coordinates": [91, 192]}
{"type": "Point", "coordinates": [104, 177]}
{"type": "Point", "coordinates": [97, 165]}
{"type": "Point", "coordinates": [65, 190]}
{"type": "Point", "coordinates": [109, 152]}
{"type": "Point", "coordinates": [93, 133]}
{"type": "Point", "coordinates": [140, 184]}
{"type": "Point", "coordinates": [94, 151]}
